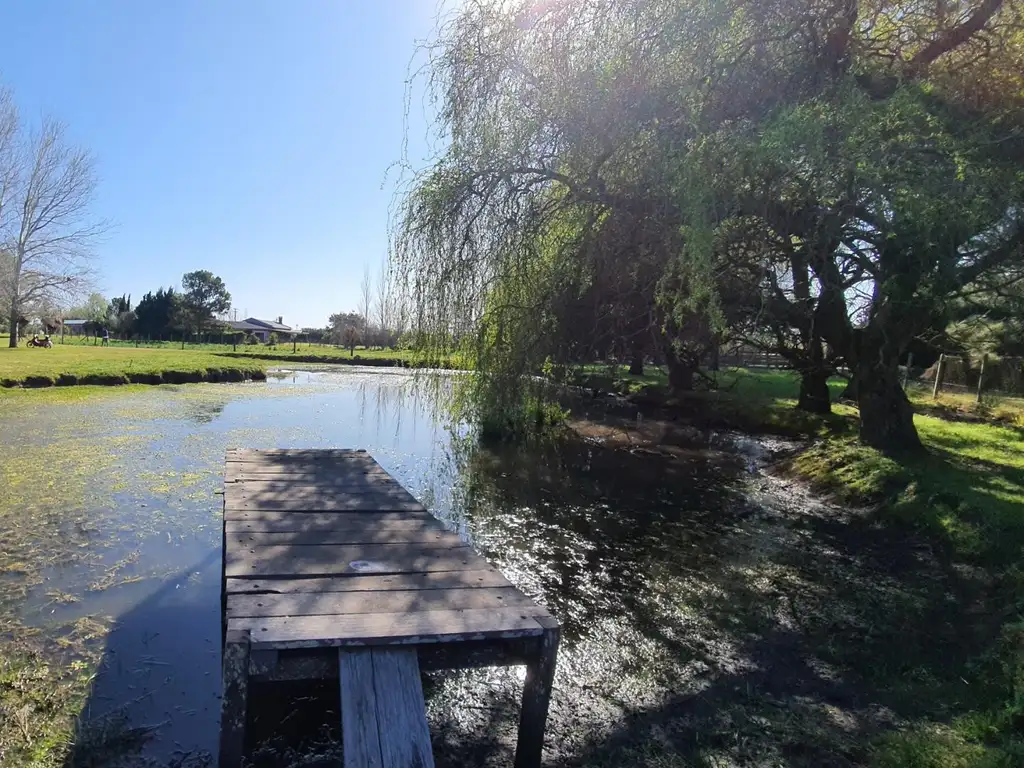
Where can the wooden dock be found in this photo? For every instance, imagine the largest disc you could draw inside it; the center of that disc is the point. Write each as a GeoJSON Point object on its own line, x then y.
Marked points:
{"type": "Point", "coordinates": [331, 568]}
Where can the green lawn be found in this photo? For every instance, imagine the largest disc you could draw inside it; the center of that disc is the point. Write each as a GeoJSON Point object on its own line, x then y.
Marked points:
{"type": "Point", "coordinates": [315, 353]}
{"type": "Point", "coordinates": [82, 361]}
{"type": "Point", "coordinates": [117, 365]}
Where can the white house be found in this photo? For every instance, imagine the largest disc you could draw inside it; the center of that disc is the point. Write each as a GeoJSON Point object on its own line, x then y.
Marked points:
{"type": "Point", "coordinates": [262, 329]}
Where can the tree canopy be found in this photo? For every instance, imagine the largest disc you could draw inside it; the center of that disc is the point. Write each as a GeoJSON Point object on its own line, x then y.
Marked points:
{"type": "Point", "coordinates": [650, 177]}
{"type": "Point", "coordinates": [203, 297]}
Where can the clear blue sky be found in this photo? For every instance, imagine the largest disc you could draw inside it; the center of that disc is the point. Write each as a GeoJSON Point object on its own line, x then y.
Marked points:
{"type": "Point", "coordinates": [248, 137]}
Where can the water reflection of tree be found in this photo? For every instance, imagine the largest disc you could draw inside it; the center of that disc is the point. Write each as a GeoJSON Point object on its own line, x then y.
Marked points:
{"type": "Point", "coordinates": [396, 398]}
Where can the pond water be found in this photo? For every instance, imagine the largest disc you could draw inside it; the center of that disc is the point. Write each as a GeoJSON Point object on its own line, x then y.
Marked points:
{"type": "Point", "coordinates": [655, 565]}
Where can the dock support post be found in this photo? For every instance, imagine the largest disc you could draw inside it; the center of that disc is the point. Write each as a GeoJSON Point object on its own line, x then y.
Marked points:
{"type": "Point", "coordinates": [540, 675]}
{"type": "Point", "coordinates": [235, 698]}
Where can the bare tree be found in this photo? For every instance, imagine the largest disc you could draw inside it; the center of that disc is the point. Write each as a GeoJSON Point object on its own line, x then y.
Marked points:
{"type": "Point", "coordinates": [8, 179]}
{"type": "Point", "coordinates": [384, 304]}
{"type": "Point", "coordinates": [46, 188]}
{"type": "Point", "coordinates": [366, 303]}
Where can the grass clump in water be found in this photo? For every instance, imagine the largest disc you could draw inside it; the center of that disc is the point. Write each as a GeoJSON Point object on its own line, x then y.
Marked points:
{"type": "Point", "coordinates": [44, 683]}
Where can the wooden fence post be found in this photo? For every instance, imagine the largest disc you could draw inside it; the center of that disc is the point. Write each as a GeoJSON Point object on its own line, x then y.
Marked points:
{"type": "Point", "coordinates": [981, 375]}
{"type": "Point", "coordinates": [938, 377]}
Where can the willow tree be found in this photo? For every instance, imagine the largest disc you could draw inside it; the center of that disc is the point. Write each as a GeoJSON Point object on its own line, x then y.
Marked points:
{"type": "Point", "coordinates": [575, 117]}
{"type": "Point", "coordinates": [642, 131]}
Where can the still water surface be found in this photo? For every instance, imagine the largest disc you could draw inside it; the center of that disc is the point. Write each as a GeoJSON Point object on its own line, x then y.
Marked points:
{"type": "Point", "coordinates": [618, 544]}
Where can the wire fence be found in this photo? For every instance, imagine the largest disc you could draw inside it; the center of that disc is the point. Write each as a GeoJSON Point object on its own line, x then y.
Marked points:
{"type": "Point", "coordinates": [980, 376]}
{"type": "Point", "coordinates": [207, 340]}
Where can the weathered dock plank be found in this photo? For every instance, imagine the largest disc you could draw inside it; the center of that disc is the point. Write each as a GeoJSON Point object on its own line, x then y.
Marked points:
{"type": "Point", "coordinates": [366, 502]}
{"type": "Point", "coordinates": [427, 538]}
{"type": "Point", "coordinates": [382, 601]}
{"type": "Point", "coordinates": [390, 524]}
{"type": "Point", "coordinates": [389, 628]}
{"type": "Point", "coordinates": [359, 710]}
{"type": "Point", "coordinates": [305, 516]}
{"type": "Point", "coordinates": [472, 579]}
{"type": "Point", "coordinates": [328, 559]}
{"type": "Point", "coordinates": [405, 737]}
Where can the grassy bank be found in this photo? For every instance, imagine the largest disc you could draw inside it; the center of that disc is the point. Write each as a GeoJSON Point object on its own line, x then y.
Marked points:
{"type": "Point", "coordinates": [960, 506]}
{"type": "Point", "coordinates": [749, 400]}
{"type": "Point", "coordinates": [68, 365]}
{"type": "Point", "coordinates": [400, 358]}
{"type": "Point", "coordinates": [78, 362]}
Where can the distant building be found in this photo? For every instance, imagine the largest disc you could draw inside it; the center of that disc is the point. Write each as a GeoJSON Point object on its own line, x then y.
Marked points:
{"type": "Point", "coordinates": [261, 329]}
{"type": "Point", "coordinates": [75, 327]}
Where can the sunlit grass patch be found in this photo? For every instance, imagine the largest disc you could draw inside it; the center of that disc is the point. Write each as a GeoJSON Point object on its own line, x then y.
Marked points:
{"type": "Point", "coordinates": [966, 494]}
{"type": "Point", "coordinates": [65, 365]}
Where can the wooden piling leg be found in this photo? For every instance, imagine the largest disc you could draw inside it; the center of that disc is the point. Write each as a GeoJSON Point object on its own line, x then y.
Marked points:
{"type": "Point", "coordinates": [937, 387]}
{"type": "Point", "coordinates": [540, 675]}
{"type": "Point", "coordinates": [235, 699]}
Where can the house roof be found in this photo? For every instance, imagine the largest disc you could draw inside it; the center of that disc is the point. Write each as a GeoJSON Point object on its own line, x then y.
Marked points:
{"type": "Point", "coordinates": [242, 325]}
{"type": "Point", "coordinates": [74, 322]}
{"type": "Point", "coordinates": [268, 324]}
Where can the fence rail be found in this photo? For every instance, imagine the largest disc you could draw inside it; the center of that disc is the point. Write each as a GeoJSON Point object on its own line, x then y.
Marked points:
{"type": "Point", "coordinates": [742, 356]}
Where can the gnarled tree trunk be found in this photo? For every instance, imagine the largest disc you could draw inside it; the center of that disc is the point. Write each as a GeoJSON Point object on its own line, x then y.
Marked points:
{"type": "Point", "coordinates": [886, 416]}
{"type": "Point", "coordinates": [680, 371]}
{"type": "Point", "coordinates": [814, 394]}
{"type": "Point", "coordinates": [636, 364]}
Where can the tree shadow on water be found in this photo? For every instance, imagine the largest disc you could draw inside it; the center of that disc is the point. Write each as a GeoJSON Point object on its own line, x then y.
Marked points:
{"type": "Point", "coordinates": [708, 624]}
